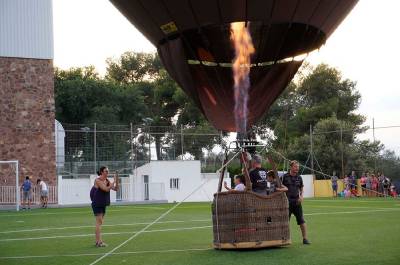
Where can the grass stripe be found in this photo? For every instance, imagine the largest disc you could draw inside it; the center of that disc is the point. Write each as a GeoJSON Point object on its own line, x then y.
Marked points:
{"type": "Point", "coordinates": [109, 233]}
{"type": "Point", "coordinates": [91, 226]}
{"type": "Point", "coordinates": [115, 253]}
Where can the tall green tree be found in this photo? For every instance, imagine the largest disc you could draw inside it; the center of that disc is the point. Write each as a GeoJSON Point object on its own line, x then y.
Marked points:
{"type": "Point", "coordinates": [166, 105]}
{"type": "Point", "coordinates": [82, 97]}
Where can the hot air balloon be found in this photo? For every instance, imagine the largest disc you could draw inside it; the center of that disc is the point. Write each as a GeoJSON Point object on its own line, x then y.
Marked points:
{"type": "Point", "coordinates": [193, 39]}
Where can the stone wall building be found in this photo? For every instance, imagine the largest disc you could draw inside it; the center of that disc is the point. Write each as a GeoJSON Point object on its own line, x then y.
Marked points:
{"type": "Point", "coordinates": [27, 90]}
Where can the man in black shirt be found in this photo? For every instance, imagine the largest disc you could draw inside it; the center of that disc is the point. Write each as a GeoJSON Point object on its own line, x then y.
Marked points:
{"type": "Point", "coordinates": [258, 176]}
{"type": "Point", "coordinates": [293, 181]}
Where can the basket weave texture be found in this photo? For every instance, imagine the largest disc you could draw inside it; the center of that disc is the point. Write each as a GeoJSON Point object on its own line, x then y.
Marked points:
{"type": "Point", "coordinates": [244, 218]}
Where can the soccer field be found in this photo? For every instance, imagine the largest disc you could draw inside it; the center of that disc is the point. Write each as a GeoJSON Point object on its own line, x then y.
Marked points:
{"type": "Point", "coordinates": [359, 231]}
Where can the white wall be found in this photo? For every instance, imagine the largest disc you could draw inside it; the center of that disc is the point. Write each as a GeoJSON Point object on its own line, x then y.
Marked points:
{"type": "Point", "coordinates": [188, 172]}
{"type": "Point", "coordinates": [77, 191]}
{"type": "Point", "coordinates": [308, 182]}
{"type": "Point", "coordinates": [137, 187]}
{"type": "Point", "coordinates": [26, 29]}
{"type": "Point", "coordinates": [189, 175]}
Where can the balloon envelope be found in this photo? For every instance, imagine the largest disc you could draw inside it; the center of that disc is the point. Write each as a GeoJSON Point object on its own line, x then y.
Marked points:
{"type": "Point", "coordinates": [193, 41]}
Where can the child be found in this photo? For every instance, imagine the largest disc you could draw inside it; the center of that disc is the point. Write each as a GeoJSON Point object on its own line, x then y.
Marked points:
{"type": "Point", "coordinates": [347, 192]}
{"type": "Point", "coordinates": [393, 192]}
{"type": "Point", "coordinates": [239, 186]}
{"type": "Point", "coordinates": [273, 185]}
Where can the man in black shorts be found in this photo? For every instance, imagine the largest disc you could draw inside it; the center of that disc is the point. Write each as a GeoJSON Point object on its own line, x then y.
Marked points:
{"type": "Point", "coordinates": [293, 181]}
{"type": "Point", "coordinates": [258, 176]}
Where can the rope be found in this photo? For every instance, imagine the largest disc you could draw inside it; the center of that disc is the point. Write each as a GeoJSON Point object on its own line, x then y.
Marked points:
{"type": "Point", "coordinates": [159, 218]}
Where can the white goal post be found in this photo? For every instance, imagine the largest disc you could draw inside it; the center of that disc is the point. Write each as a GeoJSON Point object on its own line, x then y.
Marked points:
{"type": "Point", "coordinates": [17, 195]}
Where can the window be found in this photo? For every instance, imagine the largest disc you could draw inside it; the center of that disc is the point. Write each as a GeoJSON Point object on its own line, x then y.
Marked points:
{"type": "Point", "coordinates": [174, 184]}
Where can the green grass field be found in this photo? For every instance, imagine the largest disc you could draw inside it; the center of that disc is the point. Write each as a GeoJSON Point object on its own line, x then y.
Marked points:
{"type": "Point", "coordinates": [359, 231]}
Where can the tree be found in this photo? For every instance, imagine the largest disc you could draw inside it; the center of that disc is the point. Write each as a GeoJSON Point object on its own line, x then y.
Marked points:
{"type": "Point", "coordinates": [132, 67]}
{"type": "Point", "coordinates": [82, 97]}
{"type": "Point", "coordinates": [320, 97]}
{"type": "Point", "coordinates": [166, 105]}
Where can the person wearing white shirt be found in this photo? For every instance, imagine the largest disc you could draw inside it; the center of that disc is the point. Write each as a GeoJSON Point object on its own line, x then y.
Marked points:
{"type": "Point", "coordinates": [44, 193]}
{"type": "Point", "coordinates": [239, 186]}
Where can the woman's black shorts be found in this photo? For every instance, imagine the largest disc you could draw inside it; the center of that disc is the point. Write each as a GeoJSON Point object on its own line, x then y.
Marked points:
{"type": "Point", "coordinates": [99, 210]}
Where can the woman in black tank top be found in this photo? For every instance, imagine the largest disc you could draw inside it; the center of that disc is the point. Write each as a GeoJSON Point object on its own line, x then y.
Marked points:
{"type": "Point", "coordinates": [100, 196]}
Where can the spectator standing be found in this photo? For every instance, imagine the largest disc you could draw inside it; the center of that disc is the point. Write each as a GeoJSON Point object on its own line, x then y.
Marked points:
{"type": "Point", "coordinates": [363, 183]}
{"type": "Point", "coordinates": [386, 185]}
{"type": "Point", "coordinates": [27, 193]}
{"type": "Point", "coordinates": [346, 182]}
{"type": "Point", "coordinates": [381, 180]}
{"type": "Point", "coordinates": [334, 180]}
{"type": "Point", "coordinates": [368, 185]}
{"type": "Point", "coordinates": [375, 185]}
{"type": "Point", "coordinates": [44, 193]}
{"type": "Point", "coordinates": [353, 180]}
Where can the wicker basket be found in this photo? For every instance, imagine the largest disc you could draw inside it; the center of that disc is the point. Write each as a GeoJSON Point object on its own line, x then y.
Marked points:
{"type": "Point", "coordinates": [248, 220]}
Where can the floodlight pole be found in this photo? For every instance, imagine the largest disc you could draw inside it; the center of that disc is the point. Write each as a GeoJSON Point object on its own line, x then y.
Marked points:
{"type": "Point", "coordinates": [341, 148]}
{"type": "Point", "coordinates": [94, 149]}
{"type": "Point", "coordinates": [132, 163]}
{"type": "Point", "coordinates": [373, 135]}
{"type": "Point", "coordinates": [182, 141]}
{"type": "Point", "coordinates": [311, 150]}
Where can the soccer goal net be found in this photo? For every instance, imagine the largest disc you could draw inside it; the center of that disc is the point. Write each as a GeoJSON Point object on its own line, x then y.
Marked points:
{"type": "Point", "coordinates": [9, 186]}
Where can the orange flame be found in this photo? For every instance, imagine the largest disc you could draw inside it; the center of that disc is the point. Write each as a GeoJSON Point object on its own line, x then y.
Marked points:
{"type": "Point", "coordinates": [244, 48]}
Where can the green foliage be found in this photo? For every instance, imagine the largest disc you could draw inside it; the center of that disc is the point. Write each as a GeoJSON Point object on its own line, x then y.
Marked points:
{"type": "Point", "coordinates": [136, 89]}
{"type": "Point", "coordinates": [322, 99]}
{"type": "Point", "coordinates": [82, 97]}
{"type": "Point", "coordinates": [133, 67]}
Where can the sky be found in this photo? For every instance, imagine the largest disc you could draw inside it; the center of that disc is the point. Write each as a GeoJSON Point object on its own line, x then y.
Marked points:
{"type": "Point", "coordinates": [365, 48]}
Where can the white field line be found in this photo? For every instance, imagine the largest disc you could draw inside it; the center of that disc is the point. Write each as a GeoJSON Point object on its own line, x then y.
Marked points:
{"type": "Point", "coordinates": [111, 233]}
{"type": "Point", "coordinates": [345, 207]}
{"type": "Point", "coordinates": [115, 253]}
{"type": "Point", "coordinates": [166, 222]}
{"type": "Point", "coordinates": [174, 221]}
{"type": "Point", "coordinates": [91, 226]}
{"type": "Point", "coordinates": [160, 217]}
{"type": "Point", "coordinates": [341, 200]}
{"type": "Point", "coordinates": [25, 214]}
{"type": "Point", "coordinates": [188, 228]}
{"type": "Point", "coordinates": [364, 211]}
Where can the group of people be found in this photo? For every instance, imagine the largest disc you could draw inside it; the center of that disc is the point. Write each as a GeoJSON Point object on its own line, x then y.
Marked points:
{"type": "Point", "coordinates": [265, 182]}
{"type": "Point", "coordinates": [372, 185]}
{"type": "Point", "coordinates": [27, 188]}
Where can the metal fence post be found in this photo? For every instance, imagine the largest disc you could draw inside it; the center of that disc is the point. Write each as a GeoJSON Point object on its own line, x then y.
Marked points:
{"type": "Point", "coordinates": [149, 136]}
{"type": "Point", "coordinates": [311, 150]}
{"type": "Point", "coordinates": [94, 149]}
{"type": "Point", "coordinates": [341, 147]}
{"type": "Point", "coordinates": [132, 164]}
{"type": "Point", "coordinates": [182, 141]}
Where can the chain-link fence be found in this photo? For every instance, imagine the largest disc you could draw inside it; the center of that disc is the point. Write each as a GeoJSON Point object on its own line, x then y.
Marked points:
{"type": "Point", "coordinates": [83, 148]}
{"type": "Point", "coordinates": [341, 150]}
